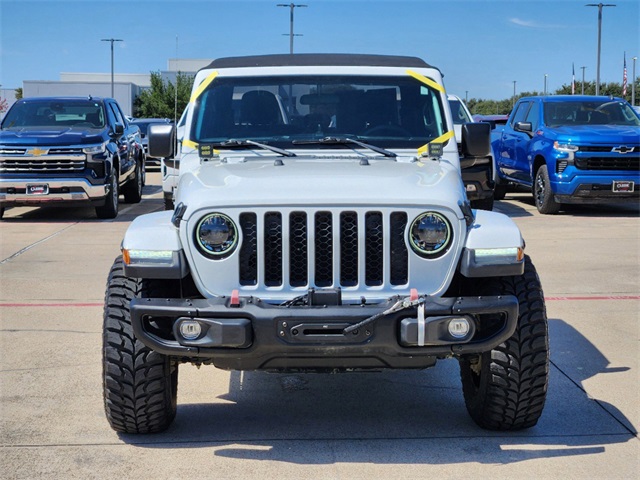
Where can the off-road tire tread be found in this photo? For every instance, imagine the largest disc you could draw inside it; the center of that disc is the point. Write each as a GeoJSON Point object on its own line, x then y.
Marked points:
{"type": "Point", "coordinates": [140, 385]}
{"type": "Point", "coordinates": [513, 383]}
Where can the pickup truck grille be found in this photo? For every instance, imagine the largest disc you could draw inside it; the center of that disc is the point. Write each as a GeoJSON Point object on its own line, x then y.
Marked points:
{"type": "Point", "coordinates": [323, 249]}
{"type": "Point", "coordinates": [622, 162]}
{"type": "Point", "coordinates": [47, 160]}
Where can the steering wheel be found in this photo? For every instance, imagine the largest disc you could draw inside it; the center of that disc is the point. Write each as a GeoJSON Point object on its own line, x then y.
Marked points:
{"type": "Point", "coordinates": [389, 130]}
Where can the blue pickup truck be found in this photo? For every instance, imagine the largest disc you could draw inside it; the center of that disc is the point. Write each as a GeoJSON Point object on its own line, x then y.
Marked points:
{"type": "Point", "coordinates": [569, 149]}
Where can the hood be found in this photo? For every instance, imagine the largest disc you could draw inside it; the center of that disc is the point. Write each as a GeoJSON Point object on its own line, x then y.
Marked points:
{"type": "Point", "coordinates": [51, 136]}
{"type": "Point", "coordinates": [314, 181]}
{"type": "Point", "coordinates": [597, 134]}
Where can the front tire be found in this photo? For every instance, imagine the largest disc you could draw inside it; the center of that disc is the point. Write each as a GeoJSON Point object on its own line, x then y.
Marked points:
{"type": "Point", "coordinates": [542, 194]}
{"type": "Point", "coordinates": [133, 189]}
{"type": "Point", "coordinates": [506, 388]}
{"type": "Point", "coordinates": [140, 386]}
{"type": "Point", "coordinates": [110, 207]}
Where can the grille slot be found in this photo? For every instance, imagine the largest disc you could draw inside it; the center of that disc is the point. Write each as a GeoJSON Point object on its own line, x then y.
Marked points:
{"type": "Point", "coordinates": [323, 249]}
{"type": "Point", "coordinates": [249, 250]}
{"type": "Point", "coordinates": [621, 162]}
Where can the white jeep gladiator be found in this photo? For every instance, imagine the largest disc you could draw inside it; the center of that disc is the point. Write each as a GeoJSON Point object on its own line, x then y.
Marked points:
{"type": "Point", "coordinates": [321, 224]}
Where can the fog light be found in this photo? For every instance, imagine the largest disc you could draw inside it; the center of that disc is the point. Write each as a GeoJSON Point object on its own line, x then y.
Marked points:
{"type": "Point", "coordinates": [459, 327]}
{"type": "Point", "coordinates": [190, 329]}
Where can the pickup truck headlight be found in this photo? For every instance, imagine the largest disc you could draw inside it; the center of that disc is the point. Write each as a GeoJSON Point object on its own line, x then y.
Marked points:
{"type": "Point", "coordinates": [565, 149]}
{"type": "Point", "coordinates": [95, 149]}
{"type": "Point", "coordinates": [216, 235]}
{"type": "Point", "coordinates": [430, 235]}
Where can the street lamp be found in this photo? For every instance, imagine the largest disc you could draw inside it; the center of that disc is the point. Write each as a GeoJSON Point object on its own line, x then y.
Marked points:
{"type": "Point", "coordinates": [545, 83]}
{"type": "Point", "coordinates": [514, 94]}
{"type": "Point", "coordinates": [633, 82]}
{"type": "Point", "coordinates": [291, 34]}
{"type": "Point", "coordinates": [111, 40]}
{"type": "Point", "coordinates": [599, 5]}
{"type": "Point", "coordinates": [583, 68]}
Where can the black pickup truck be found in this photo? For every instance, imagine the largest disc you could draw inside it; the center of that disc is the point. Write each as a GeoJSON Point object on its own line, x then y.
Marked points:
{"type": "Point", "coordinates": [69, 151]}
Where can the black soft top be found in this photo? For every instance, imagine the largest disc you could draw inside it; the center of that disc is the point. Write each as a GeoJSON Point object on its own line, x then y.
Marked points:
{"type": "Point", "coordinates": [319, 60]}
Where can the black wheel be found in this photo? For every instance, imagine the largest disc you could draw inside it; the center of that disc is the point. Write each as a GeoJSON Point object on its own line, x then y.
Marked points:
{"type": "Point", "coordinates": [542, 193]}
{"type": "Point", "coordinates": [110, 207]}
{"type": "Point", "coordinates": [506, 388]}
{"type": "Point", "coordinates": [140, 385]}
{"type": "Point", "coordinates": [168, 201]}
{"type": "Point", "coordinates": [483, 204]}
{"type": "Point", "coordinates": [133, 189]}
{"type": "Point", "coordinates": [499, 192]}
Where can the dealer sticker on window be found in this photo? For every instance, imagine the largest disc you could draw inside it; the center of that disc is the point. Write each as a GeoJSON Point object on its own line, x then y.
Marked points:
{"type": "Point", "coordinates": [38, 189]}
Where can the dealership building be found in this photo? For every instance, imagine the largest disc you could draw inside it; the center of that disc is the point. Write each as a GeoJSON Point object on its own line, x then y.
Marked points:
{"type": "Point", "coordinates": [126, 86]}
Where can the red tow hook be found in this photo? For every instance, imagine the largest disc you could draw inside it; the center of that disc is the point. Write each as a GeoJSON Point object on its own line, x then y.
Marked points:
{"type": "Point", "coordinates": [234, 302]}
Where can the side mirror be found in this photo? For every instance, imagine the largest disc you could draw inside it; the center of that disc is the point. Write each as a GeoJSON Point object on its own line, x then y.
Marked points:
{"type": "Point", "coordinates": [161, 139]}
{"type": "Point", "coordinates": [476, 139]}
{"type": "Point", "coordinates": [525, 127]}
{"type": "Point", "coordinates": [118, 129]}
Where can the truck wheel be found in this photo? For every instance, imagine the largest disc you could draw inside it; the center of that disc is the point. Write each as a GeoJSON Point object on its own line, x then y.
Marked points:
{"type": "Point", "coordinates": [483, 204]}
{"type": "Point", "coordinates": [168, 201]}
{"type": "Point", "coordinates": [110, 207]}
{"type": "Point", "coordinates": [140, 386]}
{"type": "Point", "coordinates": [542, 193]}
{"type": "Point", "coordinates": [133, 189]}
{"type": "Point", "coordinates": [499, 192]}
{"type": "Point", "coordinates": [506, 388]}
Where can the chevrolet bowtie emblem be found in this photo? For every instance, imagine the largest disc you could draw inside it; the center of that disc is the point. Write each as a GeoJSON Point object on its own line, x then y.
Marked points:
{"type": "Point", "coordinates": [623, 149]}
{"type": "Point", "coordinates": [36, 152]}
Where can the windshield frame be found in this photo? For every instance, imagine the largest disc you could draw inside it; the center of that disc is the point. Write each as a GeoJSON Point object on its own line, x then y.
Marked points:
{"type": "Point", "coordinates": [300, 95]}
{"type": "Point", "coordinates": [589, 112]}
{"type": "Point", "coordinates": [53, 114]}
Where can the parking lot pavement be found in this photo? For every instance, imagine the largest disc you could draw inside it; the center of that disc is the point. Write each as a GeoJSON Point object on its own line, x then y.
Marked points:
{"type": "Point", "coordinates": [408, 424]}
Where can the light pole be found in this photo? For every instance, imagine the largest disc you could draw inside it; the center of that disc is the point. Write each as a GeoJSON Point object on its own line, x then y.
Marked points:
{"type": "Point", "coordinates": [633, 82]}
{"type": "Point", "coordinates": [583, 68]}
{"type": "Point", "coordinates": [291, 34]}
{"type": "Point", "coordinates": [545, 83]}
{"type": "Point", "coordinates": [514, 94]}
{"type": "Point", "coordinates": [111, 40]}
{"type": "Point", "coordinates": [599, 5]}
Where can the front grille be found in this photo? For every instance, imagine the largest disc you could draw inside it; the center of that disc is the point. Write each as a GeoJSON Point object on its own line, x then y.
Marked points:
{"type": "Point", "coordinates": [622, 162]}
{"type": "Point", "coordinates": [608, 148]}
{"type": "Point", "coordinates": [323, 249]}
{"type": "Point", "coordinates": [53, 160]}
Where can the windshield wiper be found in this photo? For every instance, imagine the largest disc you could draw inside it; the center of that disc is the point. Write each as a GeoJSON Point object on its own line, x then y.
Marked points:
{"type": "Point", "coordinates": [232, 143]}
{"type": "Point", "coordinates": [345, 141]}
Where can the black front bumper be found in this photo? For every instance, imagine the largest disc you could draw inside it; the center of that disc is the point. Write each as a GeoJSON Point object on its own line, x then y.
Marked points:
{"type": "Point", "coordinates": [257, 336]}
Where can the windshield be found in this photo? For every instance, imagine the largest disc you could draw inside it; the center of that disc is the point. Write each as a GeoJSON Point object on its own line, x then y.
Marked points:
{"type": "Point", "coordinates": [385, 111]}
{"type": "Point", "coordinates": [603, 112]}
{"type": "Point", "coordinates": [459, 113]}
{"type": "Point", "coordinates": [55, 113]}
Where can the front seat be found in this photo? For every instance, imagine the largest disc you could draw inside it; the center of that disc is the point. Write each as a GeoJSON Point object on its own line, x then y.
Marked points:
{"type": "Point", "coordinates": [259, 107]}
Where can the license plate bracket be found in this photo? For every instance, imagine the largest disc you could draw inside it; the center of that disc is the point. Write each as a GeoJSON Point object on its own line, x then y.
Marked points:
{"type": "Point", "coordinates": [38, 189]}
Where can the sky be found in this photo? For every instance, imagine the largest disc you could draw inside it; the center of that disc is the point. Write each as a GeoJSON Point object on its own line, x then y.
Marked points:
{"type": "Point", "coordinates": [481, 46]}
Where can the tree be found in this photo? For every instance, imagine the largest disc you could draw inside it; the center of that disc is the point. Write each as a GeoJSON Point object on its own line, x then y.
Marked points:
{"type": "Point", "coordinates": [159, 101]}
{"type": "Point", "coordinates": [18, 93]}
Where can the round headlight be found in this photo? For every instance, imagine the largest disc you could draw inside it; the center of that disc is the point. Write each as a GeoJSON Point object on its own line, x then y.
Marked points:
{"type": "Point", "coordinates": [216, 235]}
{"type": "Point", "coordinates": [430, 234]}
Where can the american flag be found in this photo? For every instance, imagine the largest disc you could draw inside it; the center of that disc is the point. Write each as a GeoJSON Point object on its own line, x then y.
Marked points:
{"type": "Point", "coordinates": [624, 76]}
